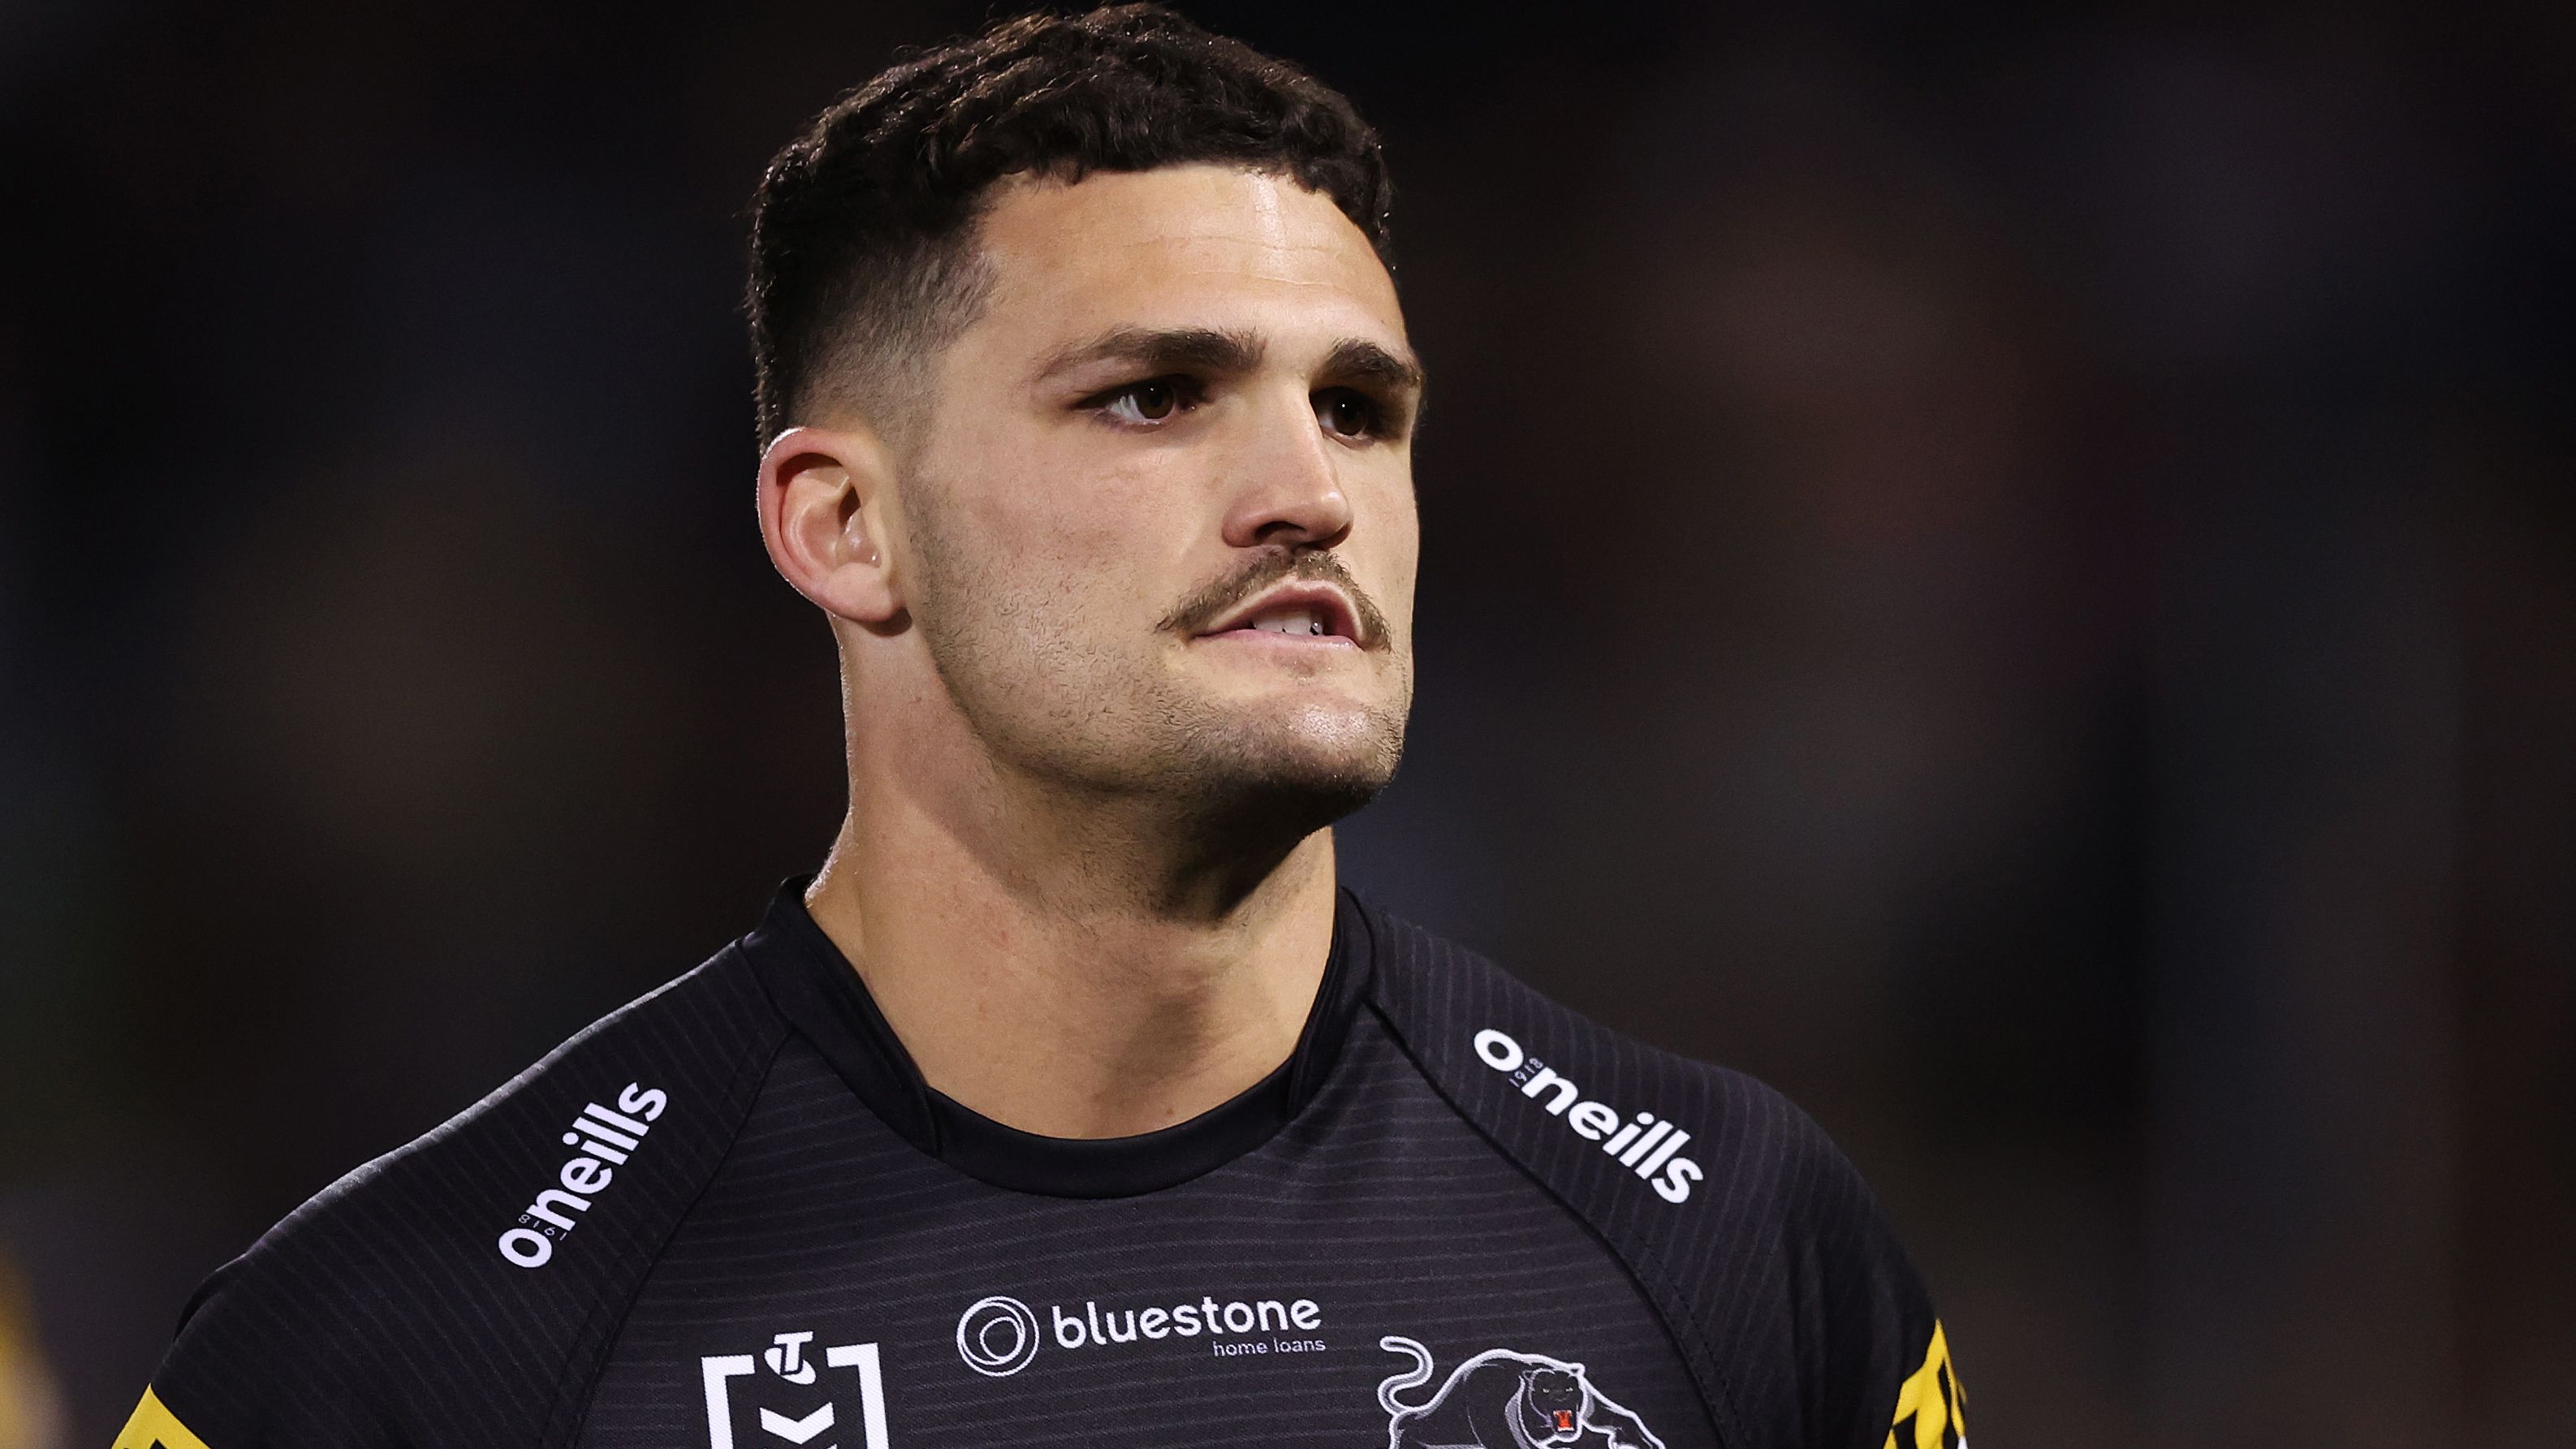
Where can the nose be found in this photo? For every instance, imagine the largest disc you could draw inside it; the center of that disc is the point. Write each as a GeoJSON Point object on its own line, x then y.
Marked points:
{"type": "Point", "coordinates": [1289, 486]}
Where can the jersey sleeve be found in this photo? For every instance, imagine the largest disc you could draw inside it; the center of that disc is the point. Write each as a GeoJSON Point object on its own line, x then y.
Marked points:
{"type": "Point", "coordinates": [1800, 1317]}
{"type": "Point", "coordinates": [272, 1351]}
{"type": "Point", "coordinates": [464, 1289]}
{"type": "Point", "coordinates": [1931, 1408]}
{"type": "Point", "coordinates": [1874, 1361]}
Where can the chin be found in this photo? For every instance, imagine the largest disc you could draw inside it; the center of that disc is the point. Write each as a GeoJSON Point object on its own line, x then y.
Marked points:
{"type": "Point", "coordinates": [1297, 779]}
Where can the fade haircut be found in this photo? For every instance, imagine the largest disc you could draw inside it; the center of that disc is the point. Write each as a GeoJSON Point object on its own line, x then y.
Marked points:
{"type": "Point", "coordinates": [863, 255]}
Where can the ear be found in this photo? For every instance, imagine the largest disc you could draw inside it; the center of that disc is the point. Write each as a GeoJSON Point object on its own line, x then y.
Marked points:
{"type": "Point", "coordinates": [824, 495]}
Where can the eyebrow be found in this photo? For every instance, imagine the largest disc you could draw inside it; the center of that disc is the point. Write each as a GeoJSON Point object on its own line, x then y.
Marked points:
{"type": "Point", "coordinates": [1210, 349]}
{"type": "Point", "coordinates": [1204, 349]}
{"type": "Point", "coordinates": [1359, 360]}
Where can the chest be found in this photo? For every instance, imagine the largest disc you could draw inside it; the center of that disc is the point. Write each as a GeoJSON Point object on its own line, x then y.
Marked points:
{"type": "Point", "coordinates": [1374, 1275]}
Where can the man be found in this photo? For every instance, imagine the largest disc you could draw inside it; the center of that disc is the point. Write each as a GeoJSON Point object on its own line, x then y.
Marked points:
{"type": "Point", "coordinates": [1073, 1100]}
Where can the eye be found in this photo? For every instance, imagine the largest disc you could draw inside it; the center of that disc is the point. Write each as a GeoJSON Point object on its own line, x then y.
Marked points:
{"type": "Point", "coordinates": [1346, 413]}
{"type": "Point", "coordinates": [1153, 400]}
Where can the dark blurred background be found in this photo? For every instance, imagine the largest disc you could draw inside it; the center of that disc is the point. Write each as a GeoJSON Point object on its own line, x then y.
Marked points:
{"type": "Point", "coordinates": [2010, 571]}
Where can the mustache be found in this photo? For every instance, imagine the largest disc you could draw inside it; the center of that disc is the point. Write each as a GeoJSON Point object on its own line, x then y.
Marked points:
{"type": "Point", "coordinates": [1195, 613]}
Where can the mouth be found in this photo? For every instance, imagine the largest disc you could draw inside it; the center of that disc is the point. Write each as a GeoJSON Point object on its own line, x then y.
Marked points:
{"type": "Point", "coordinates": [1296, 612]}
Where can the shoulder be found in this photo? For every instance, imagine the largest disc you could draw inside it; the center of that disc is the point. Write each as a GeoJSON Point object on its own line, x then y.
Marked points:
{"type": "Point", "coordinates": [462, 1288]}
{"type": "Point", "coordinates": [1565, 1092]}
{"type": "Point", "coordinates": [1740, 1218]}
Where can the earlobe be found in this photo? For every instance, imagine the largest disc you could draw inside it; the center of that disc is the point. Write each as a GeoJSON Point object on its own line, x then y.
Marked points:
{"type": "Point", "coordinates": [823, 495]}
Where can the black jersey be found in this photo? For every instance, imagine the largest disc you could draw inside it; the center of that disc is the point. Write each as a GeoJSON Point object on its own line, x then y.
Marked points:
{"type": "Point", "coordinates": [732, 1214]}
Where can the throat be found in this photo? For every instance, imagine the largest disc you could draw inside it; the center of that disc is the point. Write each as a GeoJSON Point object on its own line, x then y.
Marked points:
{"type": "Point", "coordinates": [1111, 1022]}
{"type": "Point", "coordinates": [1094, 1068]}
{"type": "Point", "coordinates": [1068, 1094]}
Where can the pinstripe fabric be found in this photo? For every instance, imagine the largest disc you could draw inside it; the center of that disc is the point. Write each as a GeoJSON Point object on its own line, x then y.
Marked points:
{"type": "Point", "coordinates": [1378, 1205]}
{"type": "Point", "coordinates": [774, 1264]}
{"type": "Point", "coordinates": [382, 1312]}
{"type": "Point", "coordinates": [1795, 1307]}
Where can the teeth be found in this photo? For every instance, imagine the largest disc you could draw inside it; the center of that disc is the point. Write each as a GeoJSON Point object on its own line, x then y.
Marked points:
{"type": "Point", "coordinates": [1292, 621]}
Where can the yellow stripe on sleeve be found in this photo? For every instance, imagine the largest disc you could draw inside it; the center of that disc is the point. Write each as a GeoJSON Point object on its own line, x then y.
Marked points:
{"type": "Point", "coordinates": [155, 1427]}
{"type": "Point", "coordinates": [1930, 1406]}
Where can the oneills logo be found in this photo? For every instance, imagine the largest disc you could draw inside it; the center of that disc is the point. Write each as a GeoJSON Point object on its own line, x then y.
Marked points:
{"type": "Point", "coordinates": [1644, 1146]}
{"type": "Point", "coordinates": [606, 1140]}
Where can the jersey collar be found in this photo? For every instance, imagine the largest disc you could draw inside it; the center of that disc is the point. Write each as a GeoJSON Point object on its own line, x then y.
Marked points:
{"type": "Point", "coordinates": [821, 995]}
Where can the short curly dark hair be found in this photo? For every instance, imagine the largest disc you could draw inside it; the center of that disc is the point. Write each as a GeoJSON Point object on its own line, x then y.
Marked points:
{"type": "Point", "coordinates": [862, 238]}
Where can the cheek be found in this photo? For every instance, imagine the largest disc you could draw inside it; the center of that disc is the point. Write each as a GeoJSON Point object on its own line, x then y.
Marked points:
{"type": "Point", "coordinates": [1390, 542]}
{"type": "Point", "coordinates": [1052, 483]}
{"type": "Point", "coordinates": [1063, 563]}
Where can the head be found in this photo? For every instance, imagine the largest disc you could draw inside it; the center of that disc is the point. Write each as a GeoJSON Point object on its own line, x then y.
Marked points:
{"type": "Point", "coordinates": [1087, 409]}
{"type": "Point", "coordinates": [1552, 1405]}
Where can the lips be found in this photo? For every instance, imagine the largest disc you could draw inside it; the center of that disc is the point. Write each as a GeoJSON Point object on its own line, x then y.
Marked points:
{"type": "Point", "coordinates": [1294, 610]}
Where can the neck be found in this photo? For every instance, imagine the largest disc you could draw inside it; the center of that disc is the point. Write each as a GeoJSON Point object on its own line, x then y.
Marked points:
{"type": "Point", "coordinates": [1076, 967]}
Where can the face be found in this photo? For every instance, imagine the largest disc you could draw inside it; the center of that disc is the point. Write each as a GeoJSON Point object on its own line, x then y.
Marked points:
{"type": "Point", "coordinates": [1554, 1399]}
{"type": "Point", "coordinates": [1159, 531]}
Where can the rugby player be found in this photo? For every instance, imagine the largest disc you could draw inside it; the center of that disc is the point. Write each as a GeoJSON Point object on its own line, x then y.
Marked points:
{"type": "Point", "coordinates": [1073, 1100]}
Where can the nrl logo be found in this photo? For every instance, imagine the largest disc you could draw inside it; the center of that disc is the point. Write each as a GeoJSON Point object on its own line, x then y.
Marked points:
{"type": "Point", "coordinates": [802, 1421]}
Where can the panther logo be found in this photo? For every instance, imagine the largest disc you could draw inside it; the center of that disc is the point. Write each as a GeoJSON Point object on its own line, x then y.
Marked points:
{"type": "Point", "coordinates": [1504, 1400]}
